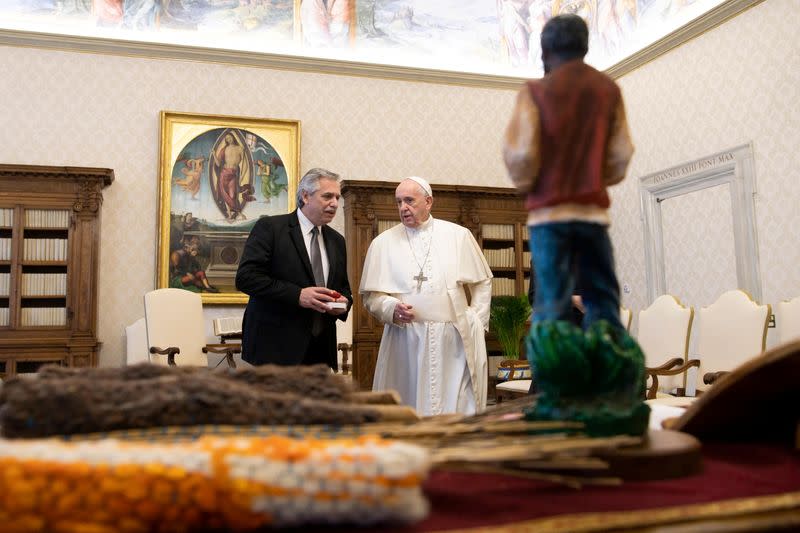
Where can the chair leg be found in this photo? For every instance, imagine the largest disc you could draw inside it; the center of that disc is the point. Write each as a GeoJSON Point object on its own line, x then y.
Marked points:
{"type": "Point", "coordinates": [345, 349]}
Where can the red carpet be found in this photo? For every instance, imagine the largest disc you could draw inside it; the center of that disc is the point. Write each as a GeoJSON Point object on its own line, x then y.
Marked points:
{"type": "Point", "coordinates": [731, 472]}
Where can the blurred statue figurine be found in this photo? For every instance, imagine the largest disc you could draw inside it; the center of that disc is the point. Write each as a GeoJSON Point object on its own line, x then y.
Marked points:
{"type": "Point", "coordinates": [567, 141]}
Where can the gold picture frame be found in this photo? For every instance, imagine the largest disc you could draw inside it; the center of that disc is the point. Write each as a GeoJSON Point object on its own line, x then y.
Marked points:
{"type": "Point", "coordinates": [217, 176]}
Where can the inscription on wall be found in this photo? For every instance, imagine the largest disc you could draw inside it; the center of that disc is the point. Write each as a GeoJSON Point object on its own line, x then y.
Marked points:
{"type": "Point", "coordinates": [713, 219]}
{"type": "Point", "coordinates": [694, 167]}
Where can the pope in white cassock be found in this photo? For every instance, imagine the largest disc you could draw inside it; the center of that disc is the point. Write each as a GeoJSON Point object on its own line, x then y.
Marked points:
{"type": "Point", "coordinates": [433, 350]}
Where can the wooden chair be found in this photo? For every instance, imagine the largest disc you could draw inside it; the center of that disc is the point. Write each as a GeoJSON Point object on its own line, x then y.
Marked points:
{"type": "Point", "coordinates": [787, 320]}
{"type": "Point", "coordinates": [176, 327]}
{"type": "Point", "coordinates": [664, 329]}
{"type": "Point", "coordinates": [344, 366]}
{"type": "Point", "coordinates": [730, 332]}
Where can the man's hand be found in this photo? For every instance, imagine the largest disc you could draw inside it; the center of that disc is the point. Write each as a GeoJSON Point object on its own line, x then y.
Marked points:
{"type": "Point", "coordinates": [403, 313]}
{"type": "Point", "coordinates": [316, 298]}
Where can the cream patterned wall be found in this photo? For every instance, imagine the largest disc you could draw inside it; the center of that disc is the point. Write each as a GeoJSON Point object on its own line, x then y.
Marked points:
{"type": "Point", "coordinates": [737, 83]}
{"type": "Point", "coordinates": [64, 108]}
{"type": "Point", "coordinates": [699, 265]}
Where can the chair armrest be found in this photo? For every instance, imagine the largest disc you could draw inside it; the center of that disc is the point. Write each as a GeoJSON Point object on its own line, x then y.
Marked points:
{"type": "Point", "coordinates": [668, 369]}
{"type": "Point", "coordinates": [673, 371]}
{"type": "Point", "coordinates": [710, 378]}
{"type": "Point", "coordinates": [222, 348]}
{"type": "Point", "coordinates": [675, 361]}
{"type": "Point", "coordinates": [169, 352]}
{"type": "Point", "coordinates": [227, 349]}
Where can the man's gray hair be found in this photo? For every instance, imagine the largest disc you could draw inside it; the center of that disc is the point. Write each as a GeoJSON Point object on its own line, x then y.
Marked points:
{"type": "Point", "coordinates": [310, 182]}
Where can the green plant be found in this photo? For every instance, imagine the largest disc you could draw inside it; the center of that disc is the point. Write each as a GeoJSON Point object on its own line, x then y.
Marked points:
{"type": "Point", "coordinates": [507, 318]}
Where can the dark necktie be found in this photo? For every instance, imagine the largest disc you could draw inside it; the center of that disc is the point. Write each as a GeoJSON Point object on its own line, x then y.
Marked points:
{"type": "Point", "coordinates": [319, 277]}
{"type": "Point", "coordinates": [316, 259]}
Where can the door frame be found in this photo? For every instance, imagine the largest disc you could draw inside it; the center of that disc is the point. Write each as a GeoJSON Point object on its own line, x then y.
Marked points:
{"type": "Point", "coordinates": [734, 167]}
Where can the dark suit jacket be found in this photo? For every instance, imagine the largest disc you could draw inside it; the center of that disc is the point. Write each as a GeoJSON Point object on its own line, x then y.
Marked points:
{"type": "Point", "coordinates": [273, 270]}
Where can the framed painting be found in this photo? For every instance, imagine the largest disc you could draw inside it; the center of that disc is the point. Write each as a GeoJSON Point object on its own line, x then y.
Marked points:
{"type": "Point", "coordinates": [217, 176]}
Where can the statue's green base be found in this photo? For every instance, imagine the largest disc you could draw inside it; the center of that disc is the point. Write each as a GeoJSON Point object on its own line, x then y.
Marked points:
{"type": "Point", "coordinates": [596, 377]}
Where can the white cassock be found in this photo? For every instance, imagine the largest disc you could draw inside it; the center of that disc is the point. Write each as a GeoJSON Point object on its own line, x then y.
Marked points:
{"type": "Point", "coordinates": [438, 362]}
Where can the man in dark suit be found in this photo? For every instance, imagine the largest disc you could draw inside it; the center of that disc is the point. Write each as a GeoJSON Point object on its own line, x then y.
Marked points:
{"type": "Point", "coordinates": [294, 267]}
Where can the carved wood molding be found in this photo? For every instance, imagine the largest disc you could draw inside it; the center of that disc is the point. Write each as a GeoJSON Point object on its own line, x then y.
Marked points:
{"type": "Point", "coordinates": [89, 196]}
{"type": "Point", "coordinates": [362, 208]}
{"type": "Point", "coordinates": [90, 181]}
{"type": "Point", "coordinates": [104, 176]}
{"type": "Point", "coordinates": [382, 187]}
{"type": "Point", "coordinates": [469, 216]}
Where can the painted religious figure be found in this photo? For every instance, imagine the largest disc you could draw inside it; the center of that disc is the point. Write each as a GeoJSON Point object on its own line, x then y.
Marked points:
{"type": "Point", "coordinates": [231, 174]}
{"type": "Point", "coordinates": [326, 22]}
{"type": "Point", "coordinates": [271, 20]}
{"type": "Point", "coordinates": [487, 36]}
{"type": "Point", "coordinates": [223, 180]}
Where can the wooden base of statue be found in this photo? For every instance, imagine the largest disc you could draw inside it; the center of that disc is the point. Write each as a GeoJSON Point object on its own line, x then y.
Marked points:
{"type": "Point", "coordinates": [662, 455]}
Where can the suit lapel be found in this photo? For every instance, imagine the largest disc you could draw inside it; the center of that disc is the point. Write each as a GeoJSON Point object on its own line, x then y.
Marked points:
{"type": "Point", "coordinates": [297, 238]}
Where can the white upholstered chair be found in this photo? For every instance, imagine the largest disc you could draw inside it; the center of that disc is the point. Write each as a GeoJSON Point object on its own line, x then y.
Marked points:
{"type": "Point", "coordinates": [663, 335]}
{"type": "Point", "coordinates": [626, 317]}
{"type": "Point", "coordinates": [136, 348]}
{"type": "Point", "coordinates": [176, 333]}
{"type": "Point", "coordinates": [787, 320]}
{"type": "Point", "coordinates": [730, 332]}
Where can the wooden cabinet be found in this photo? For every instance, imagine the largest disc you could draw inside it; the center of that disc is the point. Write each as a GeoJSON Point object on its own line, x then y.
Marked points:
{"type": "Point", "coordinates": [49, 240]}
{"type": "Point", "coordinates": [496, 216]}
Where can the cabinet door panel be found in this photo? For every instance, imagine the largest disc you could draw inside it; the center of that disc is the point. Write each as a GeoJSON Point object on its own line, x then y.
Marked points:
{"type": "Point", "coordinates": [364, 359]}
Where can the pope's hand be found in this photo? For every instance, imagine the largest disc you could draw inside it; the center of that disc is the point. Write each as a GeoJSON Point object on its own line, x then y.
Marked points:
{"type": "Point", "coordinates": [403, 313]}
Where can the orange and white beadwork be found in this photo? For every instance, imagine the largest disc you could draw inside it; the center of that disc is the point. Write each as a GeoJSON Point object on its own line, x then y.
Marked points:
{"type": "Point", "coordinates": [235, 483]}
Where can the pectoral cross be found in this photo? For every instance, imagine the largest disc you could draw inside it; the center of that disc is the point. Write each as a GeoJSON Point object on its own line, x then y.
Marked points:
{"type": "Point", "coordinates": [419, 279]}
